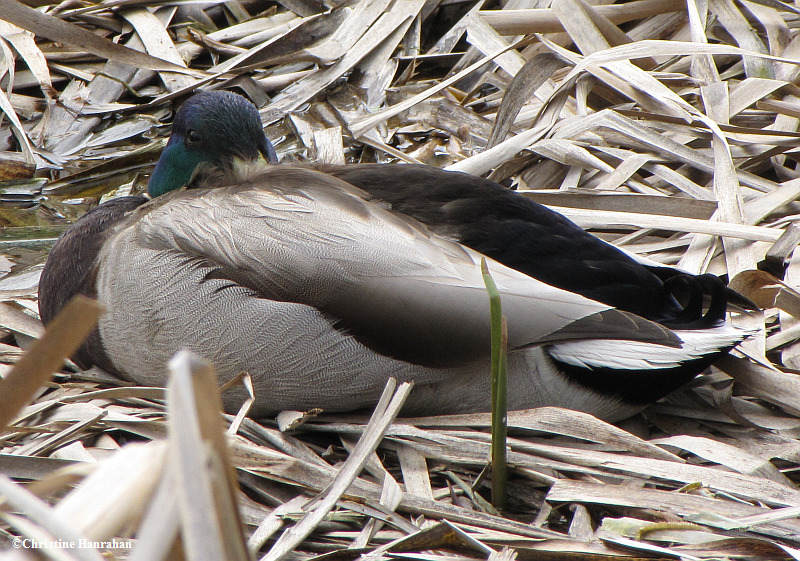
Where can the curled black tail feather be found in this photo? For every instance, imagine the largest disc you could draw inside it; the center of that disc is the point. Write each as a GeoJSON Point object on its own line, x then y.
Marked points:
{"type": "Point", "coordinates": [692, 291]}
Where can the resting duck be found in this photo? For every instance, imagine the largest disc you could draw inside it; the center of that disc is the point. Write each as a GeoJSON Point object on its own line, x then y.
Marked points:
{"type": "Point", "coordinates": [323, 282]}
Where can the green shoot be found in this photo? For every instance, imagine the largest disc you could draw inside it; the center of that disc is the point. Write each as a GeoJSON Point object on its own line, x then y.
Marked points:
{"type": "Point", "coordinates": [499, 391]}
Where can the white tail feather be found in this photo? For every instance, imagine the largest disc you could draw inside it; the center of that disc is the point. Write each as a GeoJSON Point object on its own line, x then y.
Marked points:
{"type": "Point", "coordinates": [636, 355]}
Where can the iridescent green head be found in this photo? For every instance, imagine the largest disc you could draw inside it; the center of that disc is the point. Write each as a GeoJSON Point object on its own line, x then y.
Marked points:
{"type": "Point", "coordinates": [212, 131]}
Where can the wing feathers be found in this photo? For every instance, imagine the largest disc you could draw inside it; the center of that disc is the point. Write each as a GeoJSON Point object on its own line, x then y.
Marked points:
{"type": "Point", "coordinates": [616, 324]}
{"type": "Point", "coordinates": [301, 236]}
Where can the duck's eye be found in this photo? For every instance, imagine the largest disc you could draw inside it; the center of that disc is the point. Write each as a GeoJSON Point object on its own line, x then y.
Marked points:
{"type": "Point", "coordinates": [193, 137]}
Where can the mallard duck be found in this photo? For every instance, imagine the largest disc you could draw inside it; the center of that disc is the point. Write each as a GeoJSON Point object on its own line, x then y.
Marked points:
{"type": "Point", "coordinates": [323, 282]}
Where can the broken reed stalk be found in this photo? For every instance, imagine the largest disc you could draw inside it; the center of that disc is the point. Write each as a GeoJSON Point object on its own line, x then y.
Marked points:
{"type": "Point", "coordinates": [499, 390]}
{"type": "Point", "coordinates": [64, 334]}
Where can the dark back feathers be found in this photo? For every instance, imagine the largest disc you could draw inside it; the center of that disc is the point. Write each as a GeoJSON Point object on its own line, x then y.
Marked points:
{"type": "Point", "coordinates": [539, 242]}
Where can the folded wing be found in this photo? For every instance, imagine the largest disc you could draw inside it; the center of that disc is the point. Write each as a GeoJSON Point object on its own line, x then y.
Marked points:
{"type": "Point", "coordinates": [300, 236]}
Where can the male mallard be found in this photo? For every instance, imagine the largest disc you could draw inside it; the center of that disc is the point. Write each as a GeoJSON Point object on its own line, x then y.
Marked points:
{"type": "Point", "coordinates": [322, 283]}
